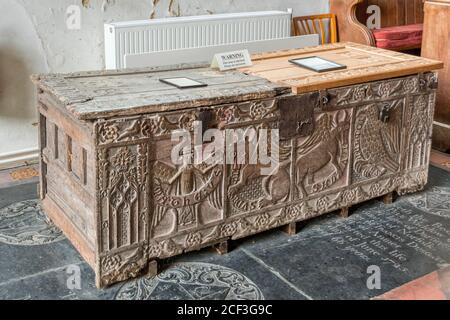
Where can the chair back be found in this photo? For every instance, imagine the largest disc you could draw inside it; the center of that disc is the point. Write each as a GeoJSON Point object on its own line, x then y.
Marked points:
{"type": "Point", "coordinates": [317, 24]}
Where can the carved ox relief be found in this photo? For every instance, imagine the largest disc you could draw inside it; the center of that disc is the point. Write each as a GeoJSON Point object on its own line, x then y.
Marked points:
{"type": "Point", "coordinates": [321, 160]}
{"type": "Point", "coordinates": [377, 142]}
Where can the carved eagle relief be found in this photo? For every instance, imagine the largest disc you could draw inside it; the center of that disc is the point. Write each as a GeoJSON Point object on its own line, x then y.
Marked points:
{"type": "Point", "coordinates": [377, 142]}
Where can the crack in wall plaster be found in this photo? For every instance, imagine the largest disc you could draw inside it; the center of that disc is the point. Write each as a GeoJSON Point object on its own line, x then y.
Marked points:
{"type": "Point", "coordinates": [104, 6]}
{"type": "Point", "coordinates": [107, 3]}
{"type": "Point", "coordinates": [173, 8]}
{"type": "Point", "coordinates": [154, 4]}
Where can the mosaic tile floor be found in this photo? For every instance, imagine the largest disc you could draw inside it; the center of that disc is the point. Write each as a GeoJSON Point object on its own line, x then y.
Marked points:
{"type": "Point", "coordinates": [331, 258]}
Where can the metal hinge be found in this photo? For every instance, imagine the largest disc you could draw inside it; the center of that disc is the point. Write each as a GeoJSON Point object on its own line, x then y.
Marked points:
{"type": "Point", "coordinates": [428, 81]}
{"type": "Point", "coordinates": [386, 110]}
{"type": "Point", "coordinates": [385, 113]}
{"type": "Point", "coordinates": [206, 116]}
{"type": "Point", "coordinates": [297, 115]}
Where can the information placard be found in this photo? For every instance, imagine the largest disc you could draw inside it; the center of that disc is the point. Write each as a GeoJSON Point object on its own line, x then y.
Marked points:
{"type": "Point", "coordinates": [231, 60]}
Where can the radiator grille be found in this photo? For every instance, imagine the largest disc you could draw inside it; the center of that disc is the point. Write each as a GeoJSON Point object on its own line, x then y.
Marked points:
{"type": "Point", "coordinates": [136, 37]}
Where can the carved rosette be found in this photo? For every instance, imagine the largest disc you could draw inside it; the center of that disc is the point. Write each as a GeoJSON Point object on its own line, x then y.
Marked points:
{"type": "Point", "coordinates": [247, 112]}
{"type": "Point", "coordinates": [122, 266]}
{"type": "Point", "coordinates": [413, 182]}
{"type": "Point", "coordinates": [132, 129]}
{"type": "Point", "coordinates": [376, 91]}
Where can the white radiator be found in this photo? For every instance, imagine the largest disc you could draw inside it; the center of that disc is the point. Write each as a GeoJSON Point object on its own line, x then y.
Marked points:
{"type": "Point", "coordinates": [206, 54]}
{"type": "Point", "coordinates": [145, 36]}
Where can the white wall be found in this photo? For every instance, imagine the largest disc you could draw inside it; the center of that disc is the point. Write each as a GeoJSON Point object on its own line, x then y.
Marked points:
{"type": "Point", "coordinates": [34, 38]}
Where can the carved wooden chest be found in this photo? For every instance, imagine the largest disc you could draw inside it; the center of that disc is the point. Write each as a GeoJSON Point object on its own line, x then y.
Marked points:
{"type": "Point", "coordinates": [108, 180]}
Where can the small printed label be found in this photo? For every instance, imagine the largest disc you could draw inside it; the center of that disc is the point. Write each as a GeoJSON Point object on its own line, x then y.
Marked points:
{"type": "Point", "coordinates": [231, 60]}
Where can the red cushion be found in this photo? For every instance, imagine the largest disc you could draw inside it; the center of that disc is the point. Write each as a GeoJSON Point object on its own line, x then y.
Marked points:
{"type": "Point", "coordinates": [399, 37]}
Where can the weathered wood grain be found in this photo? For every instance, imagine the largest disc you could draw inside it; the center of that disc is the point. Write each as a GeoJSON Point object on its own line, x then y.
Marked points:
{"type": "Point", "coordinates": [90, 96]}
{"type": "Point", "coordinates": [363, 63]}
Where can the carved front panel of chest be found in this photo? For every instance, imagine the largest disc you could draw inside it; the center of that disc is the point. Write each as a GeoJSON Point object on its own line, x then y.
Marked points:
{"type": "Point", "coordinates": [362, 142]}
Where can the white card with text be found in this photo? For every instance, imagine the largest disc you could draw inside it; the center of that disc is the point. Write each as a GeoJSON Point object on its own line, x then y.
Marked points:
{"type": "Point", "coordinates": [231, 60]}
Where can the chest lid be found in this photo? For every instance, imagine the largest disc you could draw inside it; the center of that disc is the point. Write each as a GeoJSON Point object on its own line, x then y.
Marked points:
{"type": "Point", "coordinates": [94, 95]}
{"type": "Point", "coordinates": [363, 63]}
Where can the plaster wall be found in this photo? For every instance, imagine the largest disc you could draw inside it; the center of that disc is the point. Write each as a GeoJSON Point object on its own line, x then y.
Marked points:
{"type": "Point", "coordinates": [34, 38]}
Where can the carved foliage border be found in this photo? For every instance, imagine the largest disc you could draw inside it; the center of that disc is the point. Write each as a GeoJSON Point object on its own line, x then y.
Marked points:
{"type": "Point", "coordinates": [159, 125]}
{"type": "Point", "coordinates": [377, 91]}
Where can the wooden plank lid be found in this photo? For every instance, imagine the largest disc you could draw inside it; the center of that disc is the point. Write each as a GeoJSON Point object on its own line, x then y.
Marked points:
{"type": "Point", "coordinates": [363, 64]}
{"type": "Point", "coordinates": [104, 94]}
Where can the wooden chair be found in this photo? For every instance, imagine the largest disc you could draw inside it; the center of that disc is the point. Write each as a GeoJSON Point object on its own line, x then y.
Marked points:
{"type": "Point", "coordinates": [317, 24]}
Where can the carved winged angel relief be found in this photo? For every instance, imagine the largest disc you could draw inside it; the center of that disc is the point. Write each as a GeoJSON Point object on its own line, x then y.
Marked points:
{"type": "Point", "coordinates": [185, 196]}
{"type": "Point", "coordinates": [321, 160]}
